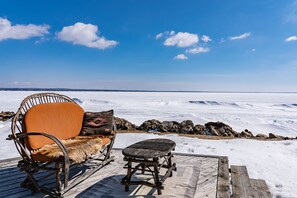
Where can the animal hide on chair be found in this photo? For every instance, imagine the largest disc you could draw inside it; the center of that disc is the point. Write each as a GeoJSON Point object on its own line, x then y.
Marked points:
{"type": "Point", "coordinates": [79, 149]}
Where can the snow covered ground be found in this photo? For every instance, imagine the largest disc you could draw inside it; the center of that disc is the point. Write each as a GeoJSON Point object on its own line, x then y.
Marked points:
{"type": "Point", "coordinates": [274, 161]}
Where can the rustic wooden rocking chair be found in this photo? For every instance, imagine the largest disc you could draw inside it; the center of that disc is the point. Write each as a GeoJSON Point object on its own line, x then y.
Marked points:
{"type": "Point", "coordinates": [28, 141]}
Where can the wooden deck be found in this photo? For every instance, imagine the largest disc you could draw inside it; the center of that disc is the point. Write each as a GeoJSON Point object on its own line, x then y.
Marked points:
{"type": "Point", "coordinates": [196, 176]}
{"type": "Point", "coordinates": [244, 187]}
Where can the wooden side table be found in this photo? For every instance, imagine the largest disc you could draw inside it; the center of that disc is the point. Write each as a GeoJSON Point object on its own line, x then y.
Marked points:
{"type": "Point", "coordinates": [149, 156]}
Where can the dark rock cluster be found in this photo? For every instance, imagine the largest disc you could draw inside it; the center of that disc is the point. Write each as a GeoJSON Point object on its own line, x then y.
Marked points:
{"type": "Point", "coordinates": [186, 127]}
{"type": "Point", "coordinates": [150, 126]}
{"type": "Point", "coordinates": [5, 115]}
{"type": "Point", "coordinates": [169, 126]}
{"type": "Point", "coordinates": [219, 129]}
{"type": "Point", "coordinates": [123, 124]}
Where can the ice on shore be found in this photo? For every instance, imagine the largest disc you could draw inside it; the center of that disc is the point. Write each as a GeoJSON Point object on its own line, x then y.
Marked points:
{"type": "Point", "coordinates": [274, 161]}
{"type": "Point", "coordinates": [259, 112]}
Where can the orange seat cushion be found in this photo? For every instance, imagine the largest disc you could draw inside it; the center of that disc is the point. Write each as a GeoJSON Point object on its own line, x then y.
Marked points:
{"type": "Point", "coordinates": [105, 140]}
{"type": "Point", "coordinates": [62, 120]}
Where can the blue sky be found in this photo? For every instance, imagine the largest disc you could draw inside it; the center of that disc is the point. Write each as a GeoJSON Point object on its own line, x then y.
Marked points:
{"type": "Point", "coordinates": [231, 45]}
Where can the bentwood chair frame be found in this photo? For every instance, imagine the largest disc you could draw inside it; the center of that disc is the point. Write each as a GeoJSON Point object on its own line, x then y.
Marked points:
{"type": "Point", "coordinates": [61, 169]}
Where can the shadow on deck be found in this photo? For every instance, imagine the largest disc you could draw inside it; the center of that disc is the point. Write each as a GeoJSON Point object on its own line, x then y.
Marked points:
{"type": "Point", "coordinates": [196, 176]}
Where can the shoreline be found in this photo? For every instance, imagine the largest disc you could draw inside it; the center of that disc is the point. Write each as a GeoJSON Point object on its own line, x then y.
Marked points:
{"type": "Point", "coordinates": [203, 137]}
{"type": "Point", "coordinates": [211, 130]}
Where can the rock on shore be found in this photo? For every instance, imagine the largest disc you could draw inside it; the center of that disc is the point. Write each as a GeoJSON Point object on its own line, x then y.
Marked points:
{"type": "Point", "coordinates": [5, 115]}
{"type": "Point", "coordinates": [122, 124]}
{"type": "Point", "coordinates": [219, 129]}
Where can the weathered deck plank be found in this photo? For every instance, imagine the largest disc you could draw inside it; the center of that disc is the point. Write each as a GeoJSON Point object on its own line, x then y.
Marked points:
{"type": "Point", "coordinates": [241, 185]}
{"type": "Point", "coordinates": [260, 188]}
{"type": "Point", "coordinates": [196, 176]}
{"type": "Point", "coordinates": [207, 179]}
{"type": "Point", "coordinates": [223, 185]}
{"type": "Point", "coordinates": [202, 169]}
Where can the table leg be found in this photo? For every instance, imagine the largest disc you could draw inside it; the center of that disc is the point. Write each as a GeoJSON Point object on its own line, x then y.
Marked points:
{"type": "Point", "coordinates": [129, 174]}
{"type": "Point", "coordinates": [157, 179]}
{"type": "Point", "coordinates": [169, 163]}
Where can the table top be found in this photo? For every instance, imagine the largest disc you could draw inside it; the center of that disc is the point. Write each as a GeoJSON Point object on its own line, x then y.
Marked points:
{"type": "Point", "coordinates": [151, 148]}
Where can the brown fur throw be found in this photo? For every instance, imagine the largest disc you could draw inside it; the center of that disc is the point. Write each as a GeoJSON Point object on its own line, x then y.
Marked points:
{"type": "Point", "coordinates": [79, 149]}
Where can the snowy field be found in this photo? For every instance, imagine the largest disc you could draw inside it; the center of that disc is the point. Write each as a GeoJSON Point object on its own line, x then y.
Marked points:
{"type": "Point", "coordinates": [274, 161]}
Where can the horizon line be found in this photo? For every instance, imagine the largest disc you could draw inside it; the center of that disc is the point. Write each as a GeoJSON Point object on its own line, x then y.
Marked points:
{"type": "Point", "coordinates": [134, 90]}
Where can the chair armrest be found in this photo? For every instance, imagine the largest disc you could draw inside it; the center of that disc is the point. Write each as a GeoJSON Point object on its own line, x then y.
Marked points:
{"type": "Point", "coordinates": [55, 140]}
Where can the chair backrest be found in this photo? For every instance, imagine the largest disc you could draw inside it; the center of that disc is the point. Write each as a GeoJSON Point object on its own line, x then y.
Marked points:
{"type": "Point", "coordinates": [62, 120]}
{"type": "Point", "coordinates": [51, 113]}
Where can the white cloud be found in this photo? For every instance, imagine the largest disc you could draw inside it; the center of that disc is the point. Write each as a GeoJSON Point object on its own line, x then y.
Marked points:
{"type": "Point", "coordinates": [198, 50]}
{"type": "Point", "coordinates": [181, 57]}
{"type": "Point", "coordinates": [181, 39]}
{"type": "Point", "coordinates": [21, 83]}
{"type": "Point", "coordinates": [86, 35]}
{"type": "Point", "coordinates": [253, 50]}
{"type": "Point", "coordinates": [222, 40]}
{"type": "Point", "coordinates": [41, 40]}
{"type": "Point", "coordinates": [8, 31]}
{"type": "Point", "coordinates": [205, 38]}
{"type": "Point", "coordinates": [171, 32]}
{"type": "Point", "coordinates": [16, 83]}
{"type": "Point", "coordinates": [291, 38]}
{"type": "Point", "coordinates": [242, 36]}
{"type": "Point", "coordinates": [163, 34]}
{"type": "Point", "coordinates": [159, 35]}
